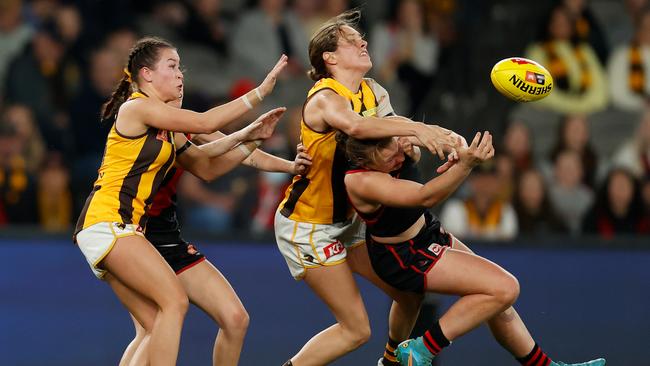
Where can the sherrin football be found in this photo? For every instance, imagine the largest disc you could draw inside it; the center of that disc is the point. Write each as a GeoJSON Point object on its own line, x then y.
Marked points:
{"type": "Point", "coordinates": [521, 79]}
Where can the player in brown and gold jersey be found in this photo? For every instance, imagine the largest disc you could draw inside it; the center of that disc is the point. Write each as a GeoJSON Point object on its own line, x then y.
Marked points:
{"type": "Point", "coordinates": [315, 228]}
{"type": "Point", "coordinates": [140, 150]}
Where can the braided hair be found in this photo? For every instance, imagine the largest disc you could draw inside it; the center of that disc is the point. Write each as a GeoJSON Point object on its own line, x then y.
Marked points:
{"type": "Point", "coordinates": [145, 53]}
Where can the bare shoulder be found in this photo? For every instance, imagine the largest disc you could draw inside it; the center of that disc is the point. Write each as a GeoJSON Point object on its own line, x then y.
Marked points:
{"type": "Point", "coordinates": [363, 180]}
{"type": "Point", "coordinates": [317, 106]}
{"type": "Point", "coordinates": [130, 117]}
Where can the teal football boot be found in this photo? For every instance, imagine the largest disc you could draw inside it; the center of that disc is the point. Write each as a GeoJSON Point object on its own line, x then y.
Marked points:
{"type": "Point", "coordinates": [413, 352]}
{"type": "Point", "coordinates": [596, 362]}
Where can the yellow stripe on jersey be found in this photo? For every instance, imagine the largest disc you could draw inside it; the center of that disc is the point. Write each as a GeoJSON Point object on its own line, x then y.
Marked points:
{"type": "Point", "coordinates": [320, 197]}
{"type": "Point", "coordinates": [131, 172]}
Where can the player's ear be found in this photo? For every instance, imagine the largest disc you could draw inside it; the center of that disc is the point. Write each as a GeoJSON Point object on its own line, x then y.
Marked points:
{"type": "Point", "coordinates": [329, 58]}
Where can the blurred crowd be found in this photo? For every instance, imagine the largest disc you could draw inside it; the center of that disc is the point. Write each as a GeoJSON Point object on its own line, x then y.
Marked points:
{"type": "Point", "coordinates": [577, 162]}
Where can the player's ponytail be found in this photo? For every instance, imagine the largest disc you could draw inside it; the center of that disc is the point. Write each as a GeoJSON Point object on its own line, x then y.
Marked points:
{"type": "Point", "coordinates": [145, 53]}
{"type": "Point", "coordinates": [119, 96]}
{"type": "Point", "coordinates": [326, 39]}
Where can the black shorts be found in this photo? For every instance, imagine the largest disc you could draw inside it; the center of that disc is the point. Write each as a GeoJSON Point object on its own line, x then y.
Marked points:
{"type": "Point", "coordinates": [180, 256]}
{"type": "Point", "coordinates": [405, 265]}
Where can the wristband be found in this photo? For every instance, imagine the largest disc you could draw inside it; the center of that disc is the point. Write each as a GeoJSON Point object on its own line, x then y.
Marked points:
{"type": "Point", "coordinates": [182, 149]}
{"type": "Point", "coordinates": [246, 101]}
{"type": "Point", "coordinates": [245, 149]}
{"type": "Point", "coordinates": [259, 96]}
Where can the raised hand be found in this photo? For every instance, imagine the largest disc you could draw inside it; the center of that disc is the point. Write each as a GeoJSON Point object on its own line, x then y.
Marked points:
{"type": "Point", "coordinates": [266, 87]}
{"type": "Point", "coordinates": [479, 150]}
{"type": "Point", "coordinates": [302, 162]}
{"type": "Point", "coordinates": [262, 128]}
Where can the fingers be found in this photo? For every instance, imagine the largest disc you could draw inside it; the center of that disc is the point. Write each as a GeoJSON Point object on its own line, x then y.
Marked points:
{"type": "Point", "coordinates": [475, 141]}
{"type": "Point", "coordinates": [444, 167]}
{"type": "Point", "coordinates": [282, 62]}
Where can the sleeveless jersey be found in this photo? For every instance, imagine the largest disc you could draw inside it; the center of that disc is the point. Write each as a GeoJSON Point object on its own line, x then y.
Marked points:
{"type": "Point", "coordinates": [320, 197]}
{"type": "Point", "coordinates": [392, 221]}
{"type": "Point", "coordinates": [132, 169]}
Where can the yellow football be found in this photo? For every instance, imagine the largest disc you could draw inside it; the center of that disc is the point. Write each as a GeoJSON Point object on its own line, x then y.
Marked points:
{"type": "Point", "coordinates": [521, 79]}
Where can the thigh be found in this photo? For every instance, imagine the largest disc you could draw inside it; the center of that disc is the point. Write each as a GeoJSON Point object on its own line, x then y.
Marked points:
{"type": "Point", "coordinates": [336, 286]}
{"type": "Point", "coordinates": [141, 308]}
{"type": "Point", "coordinates": [138, 265]}
{"type": "Point", "coordinates": [462, 273]}
{"type": "Point", "coordinates": [208, 289]}
{"type": "Point", "coordinates": [359, 262]}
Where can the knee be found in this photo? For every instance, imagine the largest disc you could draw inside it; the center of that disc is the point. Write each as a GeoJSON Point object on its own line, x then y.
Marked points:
{"type": "Point", "coordinates": [236, 321]}
{"type": "Point", "coordinates": [358, 335]}
{"type": "Point", "coordinates": [176, 303]}
{"type": "Point", "coordinates": [507, 291]}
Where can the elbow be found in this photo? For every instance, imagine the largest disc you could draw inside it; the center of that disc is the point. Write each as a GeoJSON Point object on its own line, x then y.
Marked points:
{"type": "Point", "coordinates": [356, 130]}
{"type": "Point", "coordinates": [431, 200]}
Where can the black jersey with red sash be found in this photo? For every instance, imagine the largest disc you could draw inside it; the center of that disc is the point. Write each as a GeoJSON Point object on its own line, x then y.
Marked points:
{"type": "Point", "coordinates": [404, 265]}
{"type": "Point", "coordinates": [392, 221]}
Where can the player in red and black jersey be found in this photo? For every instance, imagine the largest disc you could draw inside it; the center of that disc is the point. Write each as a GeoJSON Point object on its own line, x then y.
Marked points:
{"type": "Point", "coordinates": [410, 250]}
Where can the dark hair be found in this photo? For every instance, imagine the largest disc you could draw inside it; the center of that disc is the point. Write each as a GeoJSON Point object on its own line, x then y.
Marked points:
{"type": "Point", "coordinates": [145, 53]}
{"type": "Point", "coordinates": [326, 39]}
{"type": "Point", "coordinates": [361, 152]}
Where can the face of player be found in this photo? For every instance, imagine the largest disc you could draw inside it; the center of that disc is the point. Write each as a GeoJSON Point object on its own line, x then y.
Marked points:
{"type": "Point", "coordinates": [178, 102]}
{"type": "Point", "coordinates": [388, 159]}
{"type": "Point", "coordinates": [166, 77]}
{"type": "Point", "coordinates": [352, 51]}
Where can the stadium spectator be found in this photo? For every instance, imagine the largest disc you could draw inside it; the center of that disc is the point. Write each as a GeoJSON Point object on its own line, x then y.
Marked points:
{"type": "Point", "coordinates": [53, 195]}
{"type": "Point", "coordinates": [15, 34]}
{"type": "Point", "coordinates": [22, 121]}
{"type": "Point", "coordinates": [569, 196]}
{"type": "Point", "coordinates": [586, 27]}
{"type": "Point", "coordinates": [579, 78]}
{"type": "Point", "coordinates": [208, 25]}
{"type": "Point", "coordinates": [634, 154]}
{"type": "Point", "coordinates": [44, 80]}
{"type": "Point", "coordinates": [518, 145]}
{"type": "Point", "coordinates": [405, 52]}
{"type": "Point", "coordinates": [535, 215]}
{"type": "Point", "coordinates": [89, 135]}
{"type": "Point", "coordinates": [629, 69]}
{"type": "Point", "coordinates": [266, 32]}
{"type": "Point", "coordinates": [573, 134]}
{"type": "Point", "coordinates": [17, 186]}
{"type": "Point", "coordinates": [618, 208]}
{"type": "Point", "coordinates": [482, 215]}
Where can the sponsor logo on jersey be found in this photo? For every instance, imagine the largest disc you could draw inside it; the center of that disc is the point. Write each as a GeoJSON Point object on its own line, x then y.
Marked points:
{"type": "Point", "coordinates": [163, 135]}
{"type": "Point", "coordinates": [435, 249]}
{"type": "Point", "coordinates": [333, 249]}
{"type": "Point", "coordinates": [369, 112]}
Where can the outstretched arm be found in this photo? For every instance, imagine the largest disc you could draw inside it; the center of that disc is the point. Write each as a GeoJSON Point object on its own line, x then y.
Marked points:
{"type": "Point", "coordinates": [329, 110]}
{"type": "Point", "coordinates": [200, 162]}
{"type": "Point", "coordinates": [157, 114]}
{"type": "Point", "coordinates": [377, 188]}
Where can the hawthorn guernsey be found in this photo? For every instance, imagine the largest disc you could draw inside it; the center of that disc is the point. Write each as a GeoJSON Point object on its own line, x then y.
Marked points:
{"type": "Point", "coordinates": [521, 79]}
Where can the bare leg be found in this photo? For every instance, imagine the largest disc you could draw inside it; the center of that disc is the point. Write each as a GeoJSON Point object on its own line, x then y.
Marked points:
{"type": "Point", "coordinates": [485, 289]}
{"type": "Point", "coordinates": [130, 350]}
{"type": "Point", "coordinates": [507, 327]}
{"type": "Point", "coordinates": [208, 289]}
{"type": "Point", "coordinates": [344, 300]}
{"type": "Point", "coordinates": [134, 262]}
{"type": "Point", "coordinates": [145, 315]}
{"type": "Point", "coordinates": [405, 308]}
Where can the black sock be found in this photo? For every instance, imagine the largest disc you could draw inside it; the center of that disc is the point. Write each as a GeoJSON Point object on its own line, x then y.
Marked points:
{"type": "Point", "coordinates": [536, 357]}
{"type": "Point", "coordinates": [288, 363]}
{"type": "Point", "coordinates": [390, 359]}
{"type": "Point", "coordinates": [434, 339]}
